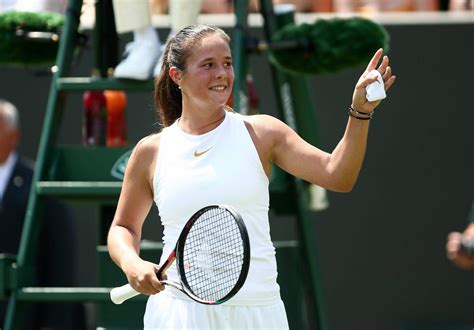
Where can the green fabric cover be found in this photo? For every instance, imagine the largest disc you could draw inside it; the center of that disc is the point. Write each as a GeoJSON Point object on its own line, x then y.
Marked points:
{"type": "Point", "coordinates": [18, 51]}
{"type": "Point", "coordinates": [337, 44]}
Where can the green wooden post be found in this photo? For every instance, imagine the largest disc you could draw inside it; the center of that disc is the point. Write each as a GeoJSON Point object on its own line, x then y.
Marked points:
{"type": "Point", "coordinates": [295, 107]}
{"type": "Point", "coordinates": [49, 134]}
{"type": "Point", "coordinates": [239, 57]}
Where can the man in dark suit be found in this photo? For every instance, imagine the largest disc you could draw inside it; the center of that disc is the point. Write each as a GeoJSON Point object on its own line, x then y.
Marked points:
{"type": "Point", "coordinates": [55, 257]}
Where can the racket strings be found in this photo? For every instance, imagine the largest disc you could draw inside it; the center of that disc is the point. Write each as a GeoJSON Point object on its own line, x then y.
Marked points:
{"type": "Point", "coordinates": [213, 255]}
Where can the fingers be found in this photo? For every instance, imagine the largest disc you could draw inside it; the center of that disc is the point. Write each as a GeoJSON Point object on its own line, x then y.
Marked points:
{"type": "Point", "coordinates": [383, 65]}
{"type": "Point", "coordinates": [375, 60]}
{"type": "Point", "coordinates": [148, 284]}
{"type": "Point", "coordinates": [368, 79]}
{"type": "Point", "coordinates": [155, 282]}
{"type": "Point", "coordinates": [387, 73]}
{"type": "Point", "coordinates": [456, 254]}
{"type": "Point", "coordinates": [384, 69]}
{"type": "Point", "coordinates": [453, 245]}
{"type": "Point", "coordinates": [454, 236]}
{"type": "Point", "coordinates": [387, 77]}
{"type": "Point", "coordinates": [381, 75]}
{"type": "Point", "coordinates": [389, 82]}
{"type": "Point", "coordinates": [144, 279]}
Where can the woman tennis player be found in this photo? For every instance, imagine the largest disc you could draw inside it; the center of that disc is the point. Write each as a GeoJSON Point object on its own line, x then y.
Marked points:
{"type": "Point", "coordinates": [208, 155]}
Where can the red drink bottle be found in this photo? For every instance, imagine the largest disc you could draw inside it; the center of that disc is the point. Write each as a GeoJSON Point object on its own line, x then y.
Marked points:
{"type": "Point", "coordinates": [94, 121]}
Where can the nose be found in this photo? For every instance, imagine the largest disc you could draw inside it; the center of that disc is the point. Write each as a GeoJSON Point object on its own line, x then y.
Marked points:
{"type": "Point", "coordinates": [221, 72]}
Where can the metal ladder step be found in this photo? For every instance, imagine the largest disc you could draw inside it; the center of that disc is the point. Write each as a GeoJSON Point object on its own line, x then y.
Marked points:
{"type": "Point", "coordinates": [74, 188]}
{"type": "Point", "coordinates": [80, 84]}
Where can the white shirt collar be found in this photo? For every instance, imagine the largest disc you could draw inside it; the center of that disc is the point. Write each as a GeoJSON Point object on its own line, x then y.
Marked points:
{"type": "Point", "coordinates": [6, 170]}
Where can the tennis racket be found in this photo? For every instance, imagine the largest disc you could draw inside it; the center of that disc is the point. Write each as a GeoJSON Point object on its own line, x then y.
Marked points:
{"type": "Point", "coordinates": [212, 257]}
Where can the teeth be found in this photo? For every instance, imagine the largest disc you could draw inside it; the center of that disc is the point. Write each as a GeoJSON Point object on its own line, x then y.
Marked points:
{"type": "Point", "coordinates": [218, 88]}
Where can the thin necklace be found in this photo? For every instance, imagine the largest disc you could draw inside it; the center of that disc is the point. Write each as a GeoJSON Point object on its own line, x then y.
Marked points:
{"type": "Point", "coordinates": [212, 123]}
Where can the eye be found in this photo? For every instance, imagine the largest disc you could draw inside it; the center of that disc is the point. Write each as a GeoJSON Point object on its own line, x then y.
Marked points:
{"type": "Point", "coordinates": [207, 65]}
{"type": "Point", "coordinates": [229, 63]}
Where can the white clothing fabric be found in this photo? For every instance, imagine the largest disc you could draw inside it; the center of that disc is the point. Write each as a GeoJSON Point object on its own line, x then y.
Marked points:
{"type": "Point", "coordinates": [183, 13]}
{"type": "Point", "coordinates": [141, 55]}
{"type": "Point", "coordinates": [131, 15]}
{"type": "Point", "coordinates": [228, 171]}
{"type": "Point", "coordinates": [169, 312]}
{"type": "Point", "coordinates": [219, 167]}
{"type": "Point", "coordinates": [6, 170]}
{"type": "Point", "coordinates": [6, 5]}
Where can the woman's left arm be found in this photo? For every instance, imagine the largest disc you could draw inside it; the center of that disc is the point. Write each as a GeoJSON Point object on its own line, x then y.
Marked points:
{"type": "Point", "coordinates": [337, 171]}
{"type": "Point", "coordinates": [347, 157]}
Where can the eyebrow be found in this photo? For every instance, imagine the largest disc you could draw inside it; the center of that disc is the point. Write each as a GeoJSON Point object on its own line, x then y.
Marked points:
{"type": "Point", "coordinates": [211, 58]}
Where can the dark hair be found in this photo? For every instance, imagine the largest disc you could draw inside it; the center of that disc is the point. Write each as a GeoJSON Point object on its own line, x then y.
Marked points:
{"type": "Point", "coordinates": [168, 99]}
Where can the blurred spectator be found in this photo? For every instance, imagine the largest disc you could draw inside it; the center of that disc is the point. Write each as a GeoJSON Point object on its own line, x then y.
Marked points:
{"type": "Point", "coordinates": [158, 7]}
{"type": "Point", "coordinates": [301, 6]}
{"type": "Point", "coordinates": [384, 5]}
{"type": "Point", "coordinates": [226, 6]}
{"type": "Point", "coordinates": [217, 6]}
{"type": "Point", "coordinates": [461, 4]}
{"type": "Point", "coordinates": [409, 5]}
{"type": "Point", "coordinates": [55, 253]}
{"type": "Point", "coordinates": [322, 5]}
{"type": "Point", "coordinates": [309, 5]}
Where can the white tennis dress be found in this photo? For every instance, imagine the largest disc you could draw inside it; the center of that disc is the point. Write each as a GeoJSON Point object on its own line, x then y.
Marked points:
{"type": "Point", "coordinates": [219, 167]}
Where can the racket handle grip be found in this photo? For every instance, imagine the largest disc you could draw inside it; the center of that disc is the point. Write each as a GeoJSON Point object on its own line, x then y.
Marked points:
{"type": "Point", "coordinates": [119, 294]}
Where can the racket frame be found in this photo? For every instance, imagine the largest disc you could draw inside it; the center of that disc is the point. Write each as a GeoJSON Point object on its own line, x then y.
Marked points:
{"type": "Point", "coordinates": [179, 255]}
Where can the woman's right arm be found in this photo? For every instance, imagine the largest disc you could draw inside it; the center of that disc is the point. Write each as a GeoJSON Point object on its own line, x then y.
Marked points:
{"type": "Point", "coordinates": [135, 201]}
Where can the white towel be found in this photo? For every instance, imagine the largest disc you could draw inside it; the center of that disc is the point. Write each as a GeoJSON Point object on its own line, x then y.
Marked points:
{"type": "Point", "coordinates": [375, 91]}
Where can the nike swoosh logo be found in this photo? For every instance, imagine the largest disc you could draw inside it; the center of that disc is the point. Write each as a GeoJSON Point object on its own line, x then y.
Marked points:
{"type": "Point", "coordinates": [198, 154]}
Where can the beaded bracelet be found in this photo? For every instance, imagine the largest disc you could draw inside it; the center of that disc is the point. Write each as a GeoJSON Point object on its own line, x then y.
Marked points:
{"type": "Point", "coordinates": [360, 115]}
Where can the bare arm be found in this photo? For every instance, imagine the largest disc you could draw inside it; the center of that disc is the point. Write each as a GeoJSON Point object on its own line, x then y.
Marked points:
{"type": "Point", "coordinates": [346, 159]}
{"type": "Point", "coordinates": [134, 204]}
{"type": "Point", "coordinates": [337, 171]}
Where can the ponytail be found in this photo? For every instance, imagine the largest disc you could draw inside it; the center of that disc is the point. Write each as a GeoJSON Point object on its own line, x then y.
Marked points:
{"type": "Point", "coordinates": [168, 98]}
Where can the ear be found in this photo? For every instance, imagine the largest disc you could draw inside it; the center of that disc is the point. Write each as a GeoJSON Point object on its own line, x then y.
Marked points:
{"type": "Point", "coordinates": [175, 74]}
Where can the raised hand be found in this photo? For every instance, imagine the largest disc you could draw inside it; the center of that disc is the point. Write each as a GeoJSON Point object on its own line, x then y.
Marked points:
{"type": "Point", "coordinates": [359, 100]}
{"type": "Point", "coordinates": [456, 253]}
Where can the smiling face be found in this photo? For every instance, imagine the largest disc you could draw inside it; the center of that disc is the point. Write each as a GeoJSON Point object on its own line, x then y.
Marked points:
{"type": "Point", "coordinates": [208, 77]}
